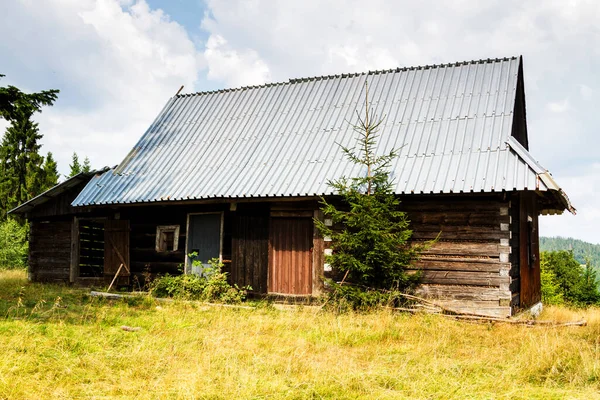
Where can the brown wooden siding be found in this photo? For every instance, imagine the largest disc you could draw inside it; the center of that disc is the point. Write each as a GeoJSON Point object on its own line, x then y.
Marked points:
{"type": "Point", "coordinates": [50, 250]}
{"type": "Point", "coordinates": [467, 269]}
{"type": "Point", "coordinates": [250, 251]}
{"type": "Point", "coordinates": [290, 260]}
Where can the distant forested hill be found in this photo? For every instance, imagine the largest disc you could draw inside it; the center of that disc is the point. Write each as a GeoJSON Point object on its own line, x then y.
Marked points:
{"type": "Point", "coordinates": [581, 250]}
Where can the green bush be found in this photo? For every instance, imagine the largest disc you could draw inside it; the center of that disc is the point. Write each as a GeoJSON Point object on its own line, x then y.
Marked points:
{"type": "Point", "coordinates": [564, 277]}
{"type": "Point", "coordinates": [211, 286]}
{"type": "Point", "coordinates": [551, 291]}
{"type": "Point", "coordinates": [13, 245]}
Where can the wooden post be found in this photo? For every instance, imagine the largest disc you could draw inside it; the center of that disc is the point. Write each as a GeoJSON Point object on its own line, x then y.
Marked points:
{"type": "Point", "coordinates": [74, 264]}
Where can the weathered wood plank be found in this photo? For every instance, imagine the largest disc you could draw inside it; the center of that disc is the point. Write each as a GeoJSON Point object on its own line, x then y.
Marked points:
{"type": "Point", "coordinates": [475, 293]}
{"type": "Point", "coordinates": [293, 213]}
{"type": "Point", "coordinates": [466, 248]}
{"type": "Point", "coordinates": [461, 264]}
{"type": "Point", "coordinates": [454, 228]}
{"type": "Point", "coordinates": [462, 278]}
{"type": "Point", "coordinates": [487, 218]}
{"type": "Point", "coordinates": [464, 236]}
{"type": "Point", "coordinates": [469, 206]}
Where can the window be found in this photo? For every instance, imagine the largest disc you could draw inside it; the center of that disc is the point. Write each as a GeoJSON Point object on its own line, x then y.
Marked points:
{"type": "Point", "coordinates": [167, 238]}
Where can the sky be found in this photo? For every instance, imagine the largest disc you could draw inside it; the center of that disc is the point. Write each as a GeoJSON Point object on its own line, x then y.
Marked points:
{"type": "Point", "coordinates": [117, 62]}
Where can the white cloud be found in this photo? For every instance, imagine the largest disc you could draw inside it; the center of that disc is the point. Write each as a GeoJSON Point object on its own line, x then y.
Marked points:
{"type": "Point", "coordinates": [116, 67]}
{"type": "Point", "coordinates": [558, 107]}
{"type": "Point", "coordinates": [586, 92]}
{"type": "Point", "coordinates": [234, 67]}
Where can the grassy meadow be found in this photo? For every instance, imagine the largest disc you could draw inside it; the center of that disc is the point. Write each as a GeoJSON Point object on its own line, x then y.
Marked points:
{"type": "Point", "coordinates": [57, 342]}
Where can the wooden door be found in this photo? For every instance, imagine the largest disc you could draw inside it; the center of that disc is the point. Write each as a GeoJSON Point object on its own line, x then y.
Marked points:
{"type": "Point", "coordinates": [290, 258]}
{"type": "Point", "coordinates": [204, 237]}
{"type": "Point", "coordinates": [250, 251]}
{"type": "Point", "coordinates": [529, 263]}
{"type": "Point", "coordinates": [116, 250]}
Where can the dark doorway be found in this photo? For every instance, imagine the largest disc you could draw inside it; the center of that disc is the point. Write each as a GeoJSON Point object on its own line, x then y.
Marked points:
{"type": "Point", "coordinates": [204, 237]}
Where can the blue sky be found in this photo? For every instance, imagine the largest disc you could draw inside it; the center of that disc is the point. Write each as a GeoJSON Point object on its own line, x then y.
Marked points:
{"type": "Point", "coordinates": [117, 62]}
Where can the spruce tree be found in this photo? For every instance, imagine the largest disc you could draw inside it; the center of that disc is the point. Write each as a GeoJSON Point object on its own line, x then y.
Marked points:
{"type": "Point", "coordinates": [50, 172]}
{"type": "Point", "coordinates": [75, 166]}
{"type": "Point", "coordinates": [12, 101]}
{"type": "Point", "coordinates": [22, 175]}
{"type": "Point", "coordinates": [371, 249]}
{"type": "Point", "coordinates": [86, 166]}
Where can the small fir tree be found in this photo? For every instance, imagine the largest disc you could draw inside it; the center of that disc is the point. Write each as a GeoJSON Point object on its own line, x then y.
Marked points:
{"type": "Point", "coordinates": [75, 166]}
{"type": "Point", "coordinates": [50, 172]}
{"type": "Point", "coordinates": [372, 248]}
{"type": "Point", "coordinates": [86, 166]}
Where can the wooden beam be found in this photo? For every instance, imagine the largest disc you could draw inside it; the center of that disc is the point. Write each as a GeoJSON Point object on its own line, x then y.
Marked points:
{"type": "Point", "coordinates": [115, 278]}
{"type": "Point", "coordinates": [74, 264]}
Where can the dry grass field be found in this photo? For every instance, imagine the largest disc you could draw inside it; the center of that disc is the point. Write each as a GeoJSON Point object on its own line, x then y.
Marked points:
{"type": "Point", "coordinates": [57, 342]}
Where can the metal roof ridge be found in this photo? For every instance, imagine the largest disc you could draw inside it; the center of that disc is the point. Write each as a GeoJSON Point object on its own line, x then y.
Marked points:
{"type": "Point", "coordinates": [522, 152]}
{"type": "Point", "coordinates": [350, 75]}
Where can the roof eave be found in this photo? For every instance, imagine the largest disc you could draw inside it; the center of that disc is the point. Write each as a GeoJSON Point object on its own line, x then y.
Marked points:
{"type": "Point", "coordinates": [557, 192]}
{"type": "Point", "coordinates": [54, 191]}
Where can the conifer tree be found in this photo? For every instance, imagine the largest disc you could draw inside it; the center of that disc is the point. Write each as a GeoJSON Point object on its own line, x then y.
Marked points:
{"type": "Point", "coordinates": [50, 172]}
{"type": "Point", "coordinates": [21, 173]}
{"type": "Point", "coordinates": [75, 165]}
{"type": "Point", "coordinates": [13, 100]}
{"type": "Point", "coordinates": [86, 166]}
{"type": "Point", "coordinates": [372, 248]}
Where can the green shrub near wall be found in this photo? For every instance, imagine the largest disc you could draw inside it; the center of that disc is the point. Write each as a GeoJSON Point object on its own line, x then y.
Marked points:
{"type": "Point", "coordinates": [13, 245]}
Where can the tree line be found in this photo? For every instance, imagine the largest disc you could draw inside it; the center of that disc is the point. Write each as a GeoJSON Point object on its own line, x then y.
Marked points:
{"type": "Point", "coordinates": [583, 252]}
{"type": "Point", "coordinates": [567, 281]}
{"type": "Point", "coordinates": [24, 171]}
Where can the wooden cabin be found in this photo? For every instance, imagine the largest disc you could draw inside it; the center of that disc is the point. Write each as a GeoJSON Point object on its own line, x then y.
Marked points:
{"type": "Point", "coordinates": [237, 174]}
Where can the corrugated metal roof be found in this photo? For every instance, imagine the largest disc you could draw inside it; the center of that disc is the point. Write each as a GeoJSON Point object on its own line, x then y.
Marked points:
{"type": "Point", "coordinates": [451, 123]}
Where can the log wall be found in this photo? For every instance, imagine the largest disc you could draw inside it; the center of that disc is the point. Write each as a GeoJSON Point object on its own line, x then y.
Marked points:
{"type": "Point", "coordinates": [468, 268]}
{"type": "Point", "coordinates": [476, 264]}
{"type": "Point", "coordinates": [49, 250]}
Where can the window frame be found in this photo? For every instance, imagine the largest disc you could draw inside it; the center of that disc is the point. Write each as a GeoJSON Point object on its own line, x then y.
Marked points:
{"type": "Point", "coordinates": [162, 229]}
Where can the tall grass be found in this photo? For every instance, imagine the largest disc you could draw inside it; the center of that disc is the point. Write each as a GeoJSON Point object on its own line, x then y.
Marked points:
{"type": "Point", "coordinates": [57, 342]}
